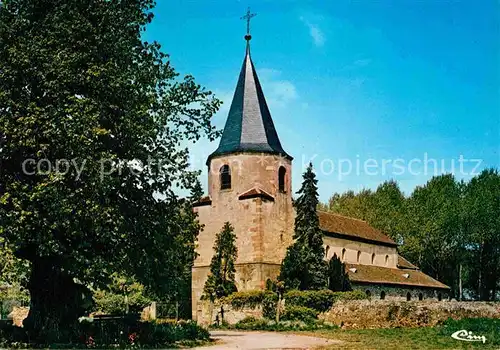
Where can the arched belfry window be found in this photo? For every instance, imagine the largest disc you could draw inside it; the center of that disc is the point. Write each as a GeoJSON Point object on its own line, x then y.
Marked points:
{"type": "Point", "coordinates": [373, 258]}
{"type": "Point", "coordinates": [281, 179]}
{"type": "Point", "coordinates": [343, 254]}
{"type": "Point", "coordinates": [359, 256]}
{"type": "Point", "coordinates": [225, 177]}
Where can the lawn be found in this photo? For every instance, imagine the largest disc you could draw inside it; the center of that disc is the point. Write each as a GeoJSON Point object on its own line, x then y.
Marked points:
{"type": "Point", "coordinates": [438, 337]}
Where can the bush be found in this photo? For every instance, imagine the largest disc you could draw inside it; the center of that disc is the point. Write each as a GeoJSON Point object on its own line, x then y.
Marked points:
{"type": "Point", "coordinates": [251, 323]}
{"type": "Point", "coordinates": [251, 298]}
{"type": "Point", "coordinates": [319, 300]}
{"type": "Point", "coordinates": [299, 313]}
{"type": "Point", "coordinates": [112, 300]}
{"type": "Point", "coordinates": [352, 295]}
{"type": "Point", "coordinates": [269, 306]}
{"type": "Point", "coordinates": [118, 332]}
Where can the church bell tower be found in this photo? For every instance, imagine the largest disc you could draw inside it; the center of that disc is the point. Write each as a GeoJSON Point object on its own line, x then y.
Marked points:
{"type": "Point", "coordinates": [249, 186]}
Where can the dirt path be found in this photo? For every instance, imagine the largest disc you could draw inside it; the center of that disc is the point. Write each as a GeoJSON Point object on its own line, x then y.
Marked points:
{"type": "Point", "coordinates": [229, 340]}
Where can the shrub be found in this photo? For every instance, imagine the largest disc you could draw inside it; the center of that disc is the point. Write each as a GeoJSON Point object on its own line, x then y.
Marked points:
{"type": "Point", "coordinates": [251, 298]}
{"type": "Point", "coordinates": [351, 295]}
{"type": "Point", "coordinates": [319, 300]}
{"type": "Point", "coordinates": [299, 313]}
{"type": "Point", "coordinates": [269, 306]}
{"type": "Point", "coordinates": [118, 332]}
{"type": "Point", "coordinates": [270, 325]}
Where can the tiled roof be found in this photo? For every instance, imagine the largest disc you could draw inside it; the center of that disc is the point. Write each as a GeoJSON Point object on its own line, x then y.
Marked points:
{"type": "Point", "coordinates": [350, 227]}
{"type": "Point", "coordinates": [206, 200]}
{"type": "Point", "coordinates": [405, 264]}
{"type": "Point", "coordinates": [256, 193]}
{"type": "Point", "coordinates": [249, 126]}
{"type": "Point", "coordinates": [385, 275]}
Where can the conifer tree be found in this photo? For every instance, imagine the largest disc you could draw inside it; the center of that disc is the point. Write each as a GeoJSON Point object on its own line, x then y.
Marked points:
{"type": "Point", "coordinates": [220, 282]}
{"type": "Point", "coordinates": [303, 266]}
{"type": "Point", "coordinates": [338, 280]}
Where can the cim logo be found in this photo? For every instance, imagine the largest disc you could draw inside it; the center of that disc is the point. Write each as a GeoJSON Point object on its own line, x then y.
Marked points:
{"type": "Point", "coordinates": [468, 336]}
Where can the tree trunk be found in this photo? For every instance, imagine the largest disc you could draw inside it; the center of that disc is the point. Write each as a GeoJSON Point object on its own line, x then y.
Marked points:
{"type": "Point", "coordinates": [56, 303]}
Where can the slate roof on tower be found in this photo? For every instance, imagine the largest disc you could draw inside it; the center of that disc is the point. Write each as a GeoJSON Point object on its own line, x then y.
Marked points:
{"type": "Point", "coordinates": [249, 126]}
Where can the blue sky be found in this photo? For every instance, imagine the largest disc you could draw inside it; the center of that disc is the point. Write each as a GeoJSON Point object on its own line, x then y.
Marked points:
{"type": "Point", "coordinates": [353, 80]}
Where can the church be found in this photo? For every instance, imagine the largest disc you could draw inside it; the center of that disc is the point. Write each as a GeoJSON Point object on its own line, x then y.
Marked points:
{"type": "Point", "coordinates": [249, 185]}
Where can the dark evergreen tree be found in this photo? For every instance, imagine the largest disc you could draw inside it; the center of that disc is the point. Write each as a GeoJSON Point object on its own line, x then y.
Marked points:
{"type": "Point", "coordinates": [220, 282]}
{"type": "Point", "coordinates": [304, 266]}
{"type": "Point", "coordinates": [338, 280]}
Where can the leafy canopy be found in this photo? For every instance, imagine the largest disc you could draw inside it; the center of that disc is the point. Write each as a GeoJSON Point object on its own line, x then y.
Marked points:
{"type": "Point", "coordinates": [81, 90]}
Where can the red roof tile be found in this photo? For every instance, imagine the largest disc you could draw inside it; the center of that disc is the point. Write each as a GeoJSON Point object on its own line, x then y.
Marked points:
{"type": "Point", "coordinates": [405, 264]}
{"type": "Point", "coordinates": [385, 275]}
{"type": "Point", "coordinates": [256, 193]}
{"type": "Point", "coordinates": [346, 226]}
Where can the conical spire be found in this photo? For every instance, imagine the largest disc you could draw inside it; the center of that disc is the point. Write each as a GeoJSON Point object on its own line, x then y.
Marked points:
{"type": "Point", "coordinates": [249, 126]}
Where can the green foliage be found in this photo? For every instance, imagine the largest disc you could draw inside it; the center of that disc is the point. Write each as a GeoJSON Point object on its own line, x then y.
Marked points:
{"type": "Point", "coordinates": [299, 313]}
{"type": "Point", "coordinates": [303, 266]}
{"type": "Point", "coordinates": [250, 298]}
{"type": "Point", "coordinates": [123, 295]}
{"type": "Point", "coordinates": [269, 306]}
{"type": "Point", "coordinates": [220, 281]}
{"type": "Point", "coordinates": [351, 295]}
{"type": "Point", "coordinates": [319, 300]}
{"type": "Point", "coordinates": [13, 278]}
{"type": "Point", "coordinates": [123, 333]}
{"type": "Point", "coordinates": [481, 218]}
{"type": "Point", "coordinates": [250, 323]}
{"type": "Point", "coordinates": [441, 226]}
{"type": "Point", "coordinates": [80, 89]}
{"type": "Point", "coordinates": [338, 279]}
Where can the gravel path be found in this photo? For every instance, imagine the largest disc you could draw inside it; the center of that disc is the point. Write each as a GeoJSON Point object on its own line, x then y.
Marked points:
{"type": "Point", "coordinates": [227, 340]}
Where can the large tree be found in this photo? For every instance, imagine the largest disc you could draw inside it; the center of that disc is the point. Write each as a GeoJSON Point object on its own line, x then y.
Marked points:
{"type": "Point", "coordinates": [481, 218]}
{"type": "Point", "coordinates": [433, 239]}
{"type": "Point", "coordinates": [91, 123]}
{"type": "Point", "coordinates": [304, 266]}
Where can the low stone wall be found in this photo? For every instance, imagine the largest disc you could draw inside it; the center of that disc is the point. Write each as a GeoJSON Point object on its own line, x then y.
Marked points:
{"type": "Point", "coordinates": [209, 313]}
{"type": "Point", "coordinates": [390, 314]}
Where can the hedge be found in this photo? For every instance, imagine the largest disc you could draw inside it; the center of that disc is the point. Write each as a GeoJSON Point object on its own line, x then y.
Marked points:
{"type": "Point", "coordinates": [319, 300]}
{"type": "Point", "coordinates": [299, 313]}
{"type": "Point", "coordinates": [113, 333]}
{"type": "Point", "coordinates": [252, 298]}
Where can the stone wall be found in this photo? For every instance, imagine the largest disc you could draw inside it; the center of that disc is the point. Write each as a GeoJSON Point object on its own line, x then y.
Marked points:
{"type": "Point", "coordinates": [385, 256]}
{"type": "Point", "coordinates": [209, 313]}
{"type": "Point", "coordinates": [361, 314]}
{"type": "Point", "coordinates": [403, 293]}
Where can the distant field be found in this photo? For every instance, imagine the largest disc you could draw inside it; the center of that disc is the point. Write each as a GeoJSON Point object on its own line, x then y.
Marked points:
{"type": "Point", "coordinates": [417, 338]}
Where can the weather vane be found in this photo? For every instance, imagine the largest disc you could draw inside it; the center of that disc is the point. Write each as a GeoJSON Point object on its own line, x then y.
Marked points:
{"type": "Point", "coordinates": [248, 17]}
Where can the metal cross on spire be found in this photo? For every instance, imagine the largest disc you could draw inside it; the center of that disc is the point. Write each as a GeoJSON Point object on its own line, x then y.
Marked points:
{"type": "Point", "coordinates": [248, 16]}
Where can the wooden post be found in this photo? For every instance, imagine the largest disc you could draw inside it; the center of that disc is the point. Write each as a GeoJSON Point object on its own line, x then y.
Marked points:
{"type": "Point", "coordinates": [278, 307]}
{"type": "Point", "coordinates": [460, 295]}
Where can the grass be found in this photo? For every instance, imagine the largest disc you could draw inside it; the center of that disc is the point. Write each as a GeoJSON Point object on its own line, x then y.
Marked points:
{"type": "Point", "coordinates": [438, 337]}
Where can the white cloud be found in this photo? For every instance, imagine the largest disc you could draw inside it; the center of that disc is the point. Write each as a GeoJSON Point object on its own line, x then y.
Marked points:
{"type": "Point", "coordinates": [278, 92]}
{"type": "Point", "coordinates": [315, 32]}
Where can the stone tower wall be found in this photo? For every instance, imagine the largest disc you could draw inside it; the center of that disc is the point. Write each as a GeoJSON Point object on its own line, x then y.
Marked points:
{"type": "Point", "coordinates": [263, 227]}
